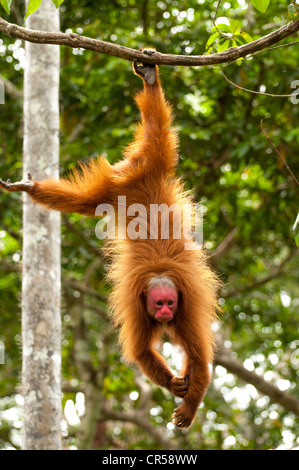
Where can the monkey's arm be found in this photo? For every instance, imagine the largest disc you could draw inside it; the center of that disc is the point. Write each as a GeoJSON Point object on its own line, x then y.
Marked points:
{"type": "Point", "coordinates": [199, 379]}
{"type": "Point", "coordinates": [155, 140]}
{"type": "Point", "coordinates": [87, 187]}
{"type": "Point", "coordinates": [196, 370]}
{"type": "Point", "coordinates": [155, 367]}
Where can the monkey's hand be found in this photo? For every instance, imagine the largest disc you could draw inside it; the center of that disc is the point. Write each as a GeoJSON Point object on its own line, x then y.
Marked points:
{"type": "Point", "coordinates": [24, 185]}
{"type": "Point", "coordinates": [184, 415]}
{"type": "Point", "coordinates": [147, 71]}
{"type": "Point", "coordinates": [179, 386]}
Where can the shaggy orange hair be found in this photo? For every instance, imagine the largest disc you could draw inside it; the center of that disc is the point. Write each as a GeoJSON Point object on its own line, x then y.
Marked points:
{"type": "Point", "coordinates": [147, 176]}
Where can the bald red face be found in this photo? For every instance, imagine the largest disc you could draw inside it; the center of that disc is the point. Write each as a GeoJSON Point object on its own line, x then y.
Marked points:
{"type": "Point", "coordinates": [162, 303]}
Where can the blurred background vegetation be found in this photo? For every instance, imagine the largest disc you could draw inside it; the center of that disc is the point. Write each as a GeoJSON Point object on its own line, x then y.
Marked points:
{"type": "Point", "coordinates": [250, 203]}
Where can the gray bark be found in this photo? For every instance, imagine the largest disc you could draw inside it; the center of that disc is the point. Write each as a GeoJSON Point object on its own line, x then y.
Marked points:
{"type": "Point", "coordinates": [41, 322]}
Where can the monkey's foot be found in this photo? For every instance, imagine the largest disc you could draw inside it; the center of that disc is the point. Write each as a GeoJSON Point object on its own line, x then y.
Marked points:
{"type": "Point", "coordinates": [184, 415]}
{"type": "Point", "coordinates": [24, 185]}
{"type": "Point", "coordinates": [146, 71]}
{"type": "Point", "coordinates": [179, 386]}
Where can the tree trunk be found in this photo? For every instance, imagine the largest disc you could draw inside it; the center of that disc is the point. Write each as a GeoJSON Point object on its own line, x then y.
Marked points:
{"type": "Point", "coordinates": [41, 322]}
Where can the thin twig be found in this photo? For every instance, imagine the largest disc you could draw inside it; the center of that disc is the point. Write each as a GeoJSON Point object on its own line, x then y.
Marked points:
{"type": "Point", "coordinates": [214, 21]}
{"type": "Point", "coordinates": [249, 56]}
{"type": "Point", "coordinates": [274, 47]}
{"type": "Point", "coordinates": [256, 92]}
{"type": "Point", "coordinates": [140, 419]}
{"type": "Point", "coordinates": [279, 154]}
{"type": "Point", "coordinates": [275, 272]}
{"type": "Point", "coordinates": [234, 365]}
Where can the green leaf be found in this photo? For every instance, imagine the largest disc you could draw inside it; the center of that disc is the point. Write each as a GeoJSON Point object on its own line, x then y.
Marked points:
{"type": "Point", "coordinates": [6, 5]}
{"type": "Point", "coordinates": [212, 39]}
{"type": "Point", "coordinates": [57, 3]}
{"type": "Point", "coordinates": [235, 25]}
{"type": "Point", "coordinates": [246, 36]}
{"type": "Point", "coordinates": [293, 12]}
{"type": "Point", "coordinates": [261, 5]}
{"type": "Point", "coordinates": [222, 27]}
{"type": "Point", "coordinates": [297, 239]}
{"type": "Point", "coordinates": [33, 5]}
{"type": "Point", "coordinates": [223, 45]}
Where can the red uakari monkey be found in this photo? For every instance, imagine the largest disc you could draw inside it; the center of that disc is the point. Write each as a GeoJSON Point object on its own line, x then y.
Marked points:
{"type": "Point", "coordinates": [158, 285]}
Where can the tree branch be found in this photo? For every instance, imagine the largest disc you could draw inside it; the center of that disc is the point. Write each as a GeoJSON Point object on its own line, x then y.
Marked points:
{"type": "Point", "coordinates": [143, 422]}
{"type": "Point", "coordinates": [75, 40]}
{"type": "Point", "coordinates": [81, 287]}
{"type": "Point", "coordinates": [11, 88]}
{"type": "Point", "coordinates": [279, 154]}
{"type": "Point", "coordinates": [273, 273]}
{"type": "Point", "coordinates": [80, 232]}
{"type": "Point", "coordinates": [224, 246]}
{"type": "Point", "coordinates": [254, 91]}
{"type": "Point", "coordinates": [235, 366]}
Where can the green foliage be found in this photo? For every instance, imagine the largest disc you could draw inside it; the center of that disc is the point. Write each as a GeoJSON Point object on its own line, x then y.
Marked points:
{"type": "Point", "coordinates": [57, 3]}
{"type": "Point", "coordinates": [33, 5]}
{"type": "Point", "coordinates": [6, 5]}
{"type": "Point", "coordinates": [261, 5]}
{"type": "Point", "coordinates": [293, 12]}
{"type": "Point", "coordinates": [227, 36]}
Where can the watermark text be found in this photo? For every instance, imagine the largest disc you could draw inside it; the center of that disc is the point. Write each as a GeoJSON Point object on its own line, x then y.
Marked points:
{"type": "Point", "coordinates": [154, 222]}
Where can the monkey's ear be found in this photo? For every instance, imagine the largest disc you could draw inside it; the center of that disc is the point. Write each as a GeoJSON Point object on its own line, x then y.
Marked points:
{"type": "Point", "coordinates": [144, 292]}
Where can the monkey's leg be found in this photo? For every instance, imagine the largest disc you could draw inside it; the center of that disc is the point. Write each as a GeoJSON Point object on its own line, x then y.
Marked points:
{"type": "Point", "coordinates": [147, 71]}
{"type": "Point", "coordinates": [87, 187]}
{"type": "Point", "coordinates": [197, 348]}
{"type": "Point", "coordinates": [23, 185]}
{"type": "Point", "coordinates": [155, 140]}
{"type": "Point", "coordinates": [53, 194]}
{"type": "Point", "coordinates": [199, 379]}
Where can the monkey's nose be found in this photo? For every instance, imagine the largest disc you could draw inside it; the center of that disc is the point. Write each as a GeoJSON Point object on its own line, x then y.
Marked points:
{"type": "Point", "coordinates": [164, 315]}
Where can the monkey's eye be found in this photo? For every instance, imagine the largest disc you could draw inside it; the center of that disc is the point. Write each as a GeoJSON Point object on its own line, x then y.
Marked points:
{"type": "Point", "coordinates": [159, 302]}
{"type": "Point", "coordinates": [170, 302]}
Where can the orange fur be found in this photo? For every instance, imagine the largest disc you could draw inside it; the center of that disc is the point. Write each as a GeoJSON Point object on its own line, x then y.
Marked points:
{"type": "Point", "coordinates": [147, 176]}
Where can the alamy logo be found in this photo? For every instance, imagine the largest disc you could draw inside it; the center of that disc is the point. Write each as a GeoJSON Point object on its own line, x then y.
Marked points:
{"type": "Point", "coordinates": [157, 221]}
{"type": "Point", "coordinates": [295, 94]}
